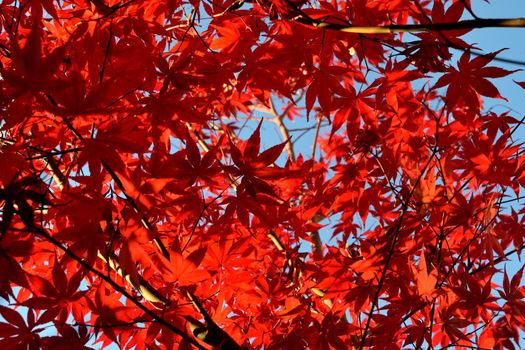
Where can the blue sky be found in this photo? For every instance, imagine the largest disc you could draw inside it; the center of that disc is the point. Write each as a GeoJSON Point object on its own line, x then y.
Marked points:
{"type": "Point", "coordinates": [492, 39]}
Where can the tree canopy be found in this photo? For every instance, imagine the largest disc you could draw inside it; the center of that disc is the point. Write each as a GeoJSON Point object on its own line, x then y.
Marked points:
{"type": "Point", "coordinates": [144, 202]}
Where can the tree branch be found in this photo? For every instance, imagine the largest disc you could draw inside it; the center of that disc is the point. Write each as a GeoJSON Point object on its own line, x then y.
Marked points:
{"type": "Point", "coordinates": [278, 119]}
{"type": "Point", "coordinates": [416, 28]}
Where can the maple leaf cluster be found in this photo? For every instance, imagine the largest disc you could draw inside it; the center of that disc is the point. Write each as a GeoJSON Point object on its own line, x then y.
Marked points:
{"type": "Point", "coordinates": [137, 210]}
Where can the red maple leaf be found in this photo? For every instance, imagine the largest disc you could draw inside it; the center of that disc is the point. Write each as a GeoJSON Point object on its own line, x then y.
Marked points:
{"type": "Point", "coordinates": [469, 80]}
{"type": "Point", "coordinates": [255, 167]}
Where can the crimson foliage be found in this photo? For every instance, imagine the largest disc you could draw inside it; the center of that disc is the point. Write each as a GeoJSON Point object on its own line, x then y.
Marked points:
{"type": "Point", "coordinates": [136, 211]}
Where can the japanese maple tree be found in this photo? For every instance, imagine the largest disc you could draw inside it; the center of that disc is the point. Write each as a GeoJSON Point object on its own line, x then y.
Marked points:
{"type": "Point", "coordinates": [145, 202]}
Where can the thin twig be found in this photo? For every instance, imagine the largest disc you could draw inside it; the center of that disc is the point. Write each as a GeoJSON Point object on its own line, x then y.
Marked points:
{"type": "Point", "coordinates": [278, 119]}
{"type": "Point", "coordinates": [316, 136]}
{"type": "Point", "coordinates": [106, 52]}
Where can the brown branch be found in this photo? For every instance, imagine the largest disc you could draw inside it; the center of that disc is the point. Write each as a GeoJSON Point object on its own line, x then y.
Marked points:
{"type": "Point", "coordinates": [57, 175]}
{"type": "Point", "coordinates": [470, 50]}
{"type": "Point", "coordinates": [294, 271]}
{"type": "Point", "coordinates": [278, 119]}
{"type": "Point", "coordinates": [304, 18]}
{"type": "Point", "coordinates": [416, 28]}
{"type": "Point", "coordinates": [144, 220]}
{"type": "Point", "coordinates": [142, 286]}
{"type": "Point", "coordinates": [106, 53]}
{"type": "Point", "coordinates": [316, 136]}
{"type": "Point", "coordinates": [210, 333]}
{"type": "Point", "coordinates": [316, 238]}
